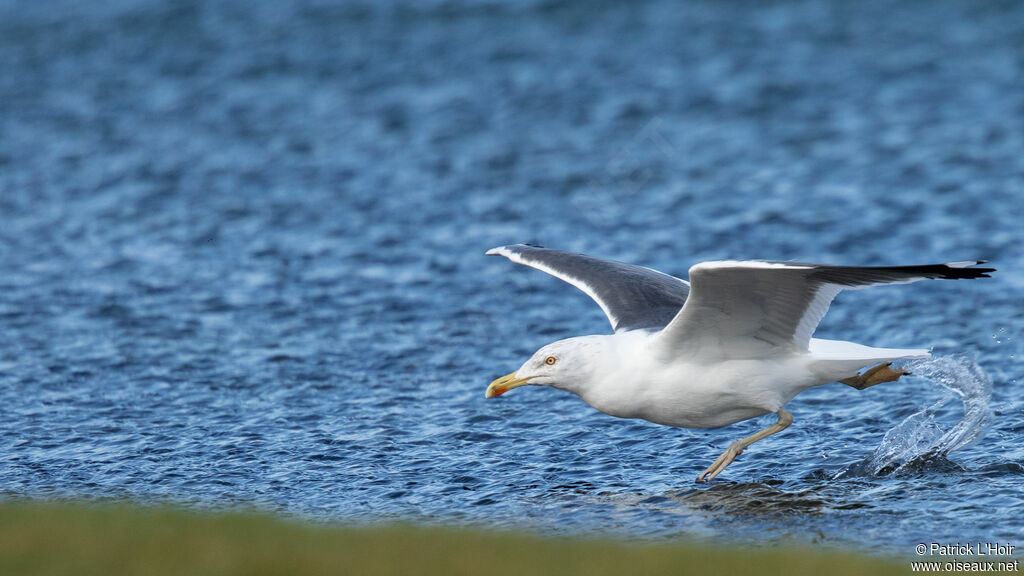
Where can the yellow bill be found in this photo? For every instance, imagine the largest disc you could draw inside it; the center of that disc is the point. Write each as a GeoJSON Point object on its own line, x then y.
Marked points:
{"type": "Point", "coordinates": [504, 384]}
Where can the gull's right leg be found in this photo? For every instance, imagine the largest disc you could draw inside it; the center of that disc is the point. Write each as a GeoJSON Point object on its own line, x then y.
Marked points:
{"type": "Point", "coordinates": [876, 375]}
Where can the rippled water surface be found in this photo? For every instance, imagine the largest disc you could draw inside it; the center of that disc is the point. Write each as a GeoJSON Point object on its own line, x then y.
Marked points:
{"type": "Point", "coordinates": [242, 258]}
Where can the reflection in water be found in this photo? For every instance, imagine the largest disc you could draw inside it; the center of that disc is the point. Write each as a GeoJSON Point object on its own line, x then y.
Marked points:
{"type": "Point", "coordinates": [744, 499]}
{"type": "Point", "coordinates": [755, 512]}
{"type": "Point", "coordinates": [754, 498]}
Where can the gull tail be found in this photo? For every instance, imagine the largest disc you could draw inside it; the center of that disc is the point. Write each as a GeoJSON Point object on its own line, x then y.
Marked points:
{"type": "Point", "coordinates": [835, 359]}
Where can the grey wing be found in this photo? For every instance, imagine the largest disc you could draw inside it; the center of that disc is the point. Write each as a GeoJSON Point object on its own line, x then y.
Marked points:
{"type": "Point", "coordinates": [633, 297]}
{"type": "Point", "coordinates": [748, 309]}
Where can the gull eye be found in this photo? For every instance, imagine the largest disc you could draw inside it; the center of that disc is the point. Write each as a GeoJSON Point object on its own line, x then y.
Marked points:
{"type": "Point", "coordinates": [550, 361]}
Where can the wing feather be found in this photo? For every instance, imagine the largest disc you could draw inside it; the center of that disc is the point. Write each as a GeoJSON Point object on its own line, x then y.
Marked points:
{"type": "Point", "coordinates": [632, 297]}
{"type": "Point", "coordinates": [754, 308]}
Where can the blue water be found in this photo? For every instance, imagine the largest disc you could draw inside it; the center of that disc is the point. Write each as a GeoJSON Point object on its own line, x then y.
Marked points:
{"type": "Point", "coordinates": [242, 255]}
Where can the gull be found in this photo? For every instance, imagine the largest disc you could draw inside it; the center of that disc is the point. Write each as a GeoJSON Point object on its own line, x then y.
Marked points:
{"type": "Point", "coordinates": [731, 344]}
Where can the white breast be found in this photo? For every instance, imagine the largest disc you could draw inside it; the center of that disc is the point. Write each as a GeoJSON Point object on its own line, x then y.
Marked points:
{"type": "Point", "coordinates": [692, 395]}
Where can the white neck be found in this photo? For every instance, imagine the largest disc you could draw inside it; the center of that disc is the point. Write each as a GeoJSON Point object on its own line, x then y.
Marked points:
{"type": "Point", "coordinates": [607, 361]}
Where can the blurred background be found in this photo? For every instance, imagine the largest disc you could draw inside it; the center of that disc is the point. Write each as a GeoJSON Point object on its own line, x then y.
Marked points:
{"type": "Point", "coordinates": [242, 250]}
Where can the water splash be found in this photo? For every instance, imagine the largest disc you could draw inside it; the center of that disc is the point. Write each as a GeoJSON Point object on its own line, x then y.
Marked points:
{"type": "Point", "coordinates": [920, 439]}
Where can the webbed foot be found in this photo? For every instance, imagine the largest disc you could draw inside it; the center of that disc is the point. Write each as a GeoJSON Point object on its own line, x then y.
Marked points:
{"type": "Point", "coordinates": [726, 458]}
{"type": "Point", "coordinates": [875, 375]}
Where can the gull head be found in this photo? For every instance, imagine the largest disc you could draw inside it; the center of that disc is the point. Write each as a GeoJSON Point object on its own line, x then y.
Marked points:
{"type": "Point", "coordinates": [564, 364]}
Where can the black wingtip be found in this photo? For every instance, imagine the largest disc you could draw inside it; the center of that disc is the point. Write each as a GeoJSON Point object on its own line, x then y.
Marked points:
{"type": "Point", "coordinates": [949, 271]}
{"type": "Point", "coordinates": [983, 272]}
{"type": "Point", "coordinates": [952, 272]}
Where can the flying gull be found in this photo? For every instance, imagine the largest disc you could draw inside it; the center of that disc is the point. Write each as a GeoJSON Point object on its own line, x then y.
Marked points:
{"type": "Point", "coordinates": [731, 344]}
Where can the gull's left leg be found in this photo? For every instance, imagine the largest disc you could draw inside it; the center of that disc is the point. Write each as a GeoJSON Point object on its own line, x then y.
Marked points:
{"type": "Point", "coordinates": [737, 447]}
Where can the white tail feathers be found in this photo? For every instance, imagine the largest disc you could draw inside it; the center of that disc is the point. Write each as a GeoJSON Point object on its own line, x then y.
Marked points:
{"type": "Point", "coordinates": [835, 359]}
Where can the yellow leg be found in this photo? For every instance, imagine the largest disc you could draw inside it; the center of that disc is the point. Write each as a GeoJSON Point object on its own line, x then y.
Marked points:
{"type": "Point", "coordinates": [737, 447]}
{"type": "Point", "coordinates": [876, 375]}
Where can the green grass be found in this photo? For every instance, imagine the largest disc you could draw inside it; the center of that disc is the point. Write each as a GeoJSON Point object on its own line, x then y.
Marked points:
{"type": "Point", "coordinates": [85, 540]}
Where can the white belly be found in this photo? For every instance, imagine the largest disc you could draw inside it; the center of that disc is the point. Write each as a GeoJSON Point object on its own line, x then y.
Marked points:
{"type": "Point", "coordinates": [692, 395]}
